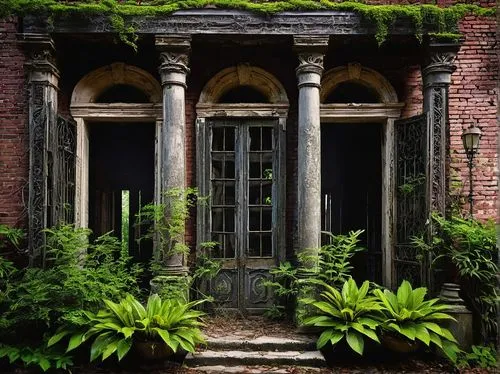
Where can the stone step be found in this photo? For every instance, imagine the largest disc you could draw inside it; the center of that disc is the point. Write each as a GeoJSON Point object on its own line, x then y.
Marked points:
{"type": "Point", "coordinates": [254, 369]}
{"type": "Point", "coordinates": [262, 343]}
{"type": "Point", "coordinates": [239, 357]}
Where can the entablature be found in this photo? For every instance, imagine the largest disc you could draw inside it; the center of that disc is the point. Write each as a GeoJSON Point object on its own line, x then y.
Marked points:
{"type": "Point", "coordinates": [218, 21]}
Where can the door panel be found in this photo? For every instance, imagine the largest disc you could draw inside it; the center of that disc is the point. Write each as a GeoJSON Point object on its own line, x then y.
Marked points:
{"type": "Point", "coordinates": [243, 162]}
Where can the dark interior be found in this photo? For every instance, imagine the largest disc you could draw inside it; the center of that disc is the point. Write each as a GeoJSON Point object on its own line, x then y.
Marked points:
{"type": "Point", "coordinates": [352, 92]}
{"type": "Point", "coordinates": [351, 189]}
{"type": "Point", "coordinates": [121, 159]}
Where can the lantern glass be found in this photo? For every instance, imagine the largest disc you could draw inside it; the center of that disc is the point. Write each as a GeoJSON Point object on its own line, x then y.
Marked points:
{"type": "Point", "coordinates": [470, 139]}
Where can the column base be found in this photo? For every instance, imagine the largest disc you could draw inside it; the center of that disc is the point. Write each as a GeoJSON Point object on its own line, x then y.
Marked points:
{"type": "Point", "coordinates": [462, 327]}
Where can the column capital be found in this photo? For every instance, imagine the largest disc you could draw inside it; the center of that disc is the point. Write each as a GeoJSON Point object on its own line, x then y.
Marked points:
{"type": "Point", "coordinates": [174, 57]}
{"type": "Point", "coordinates": [439, 63]}
{"type": "Point", "coordinates": [310, 52]}
{"type": "Point", "coordinates": [41, 51]}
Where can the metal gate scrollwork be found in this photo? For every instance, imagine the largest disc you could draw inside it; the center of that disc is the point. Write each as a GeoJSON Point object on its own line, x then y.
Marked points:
{"type": "Point", "coordinates": [411, 196]}
{"type": "Point", "coordinates": [37, 185]}
{"type": "Point", "coordinates": [63, 177]}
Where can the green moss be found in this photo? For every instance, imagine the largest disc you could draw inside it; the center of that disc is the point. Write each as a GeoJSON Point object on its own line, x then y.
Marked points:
{"type": "Point", "coordinates": [383, 16]}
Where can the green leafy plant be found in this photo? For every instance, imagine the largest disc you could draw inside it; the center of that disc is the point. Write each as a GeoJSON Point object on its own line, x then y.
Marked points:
{"type": "Point", "coordinates": [285, 287]}
{"type": "Point", "coordinates": [43, 358]}
{"type": "Point", "coordinates": [467, 250]}
{"type": "Point", "coordinates": [332, 264]}
{"type": "Point", "coordinates": [352, 314]}
{"type": "Point", "coordinates": [479, 356]}
{"type": "Point", "coordinates": [113, 329]}
{"type": "Point", "coordinates": [407, 314]}
{"type": "Point", "coordinates": [10, 235]}
{"type": "Point", "coordinates": [204, 269]}
{"type": "Point", "coordinates": [78, 273]}
{"type": "Point", "coordinates": [165, 224]}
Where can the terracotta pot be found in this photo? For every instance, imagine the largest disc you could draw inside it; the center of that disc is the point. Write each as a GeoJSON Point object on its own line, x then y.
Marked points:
{"type": "Point", "coordinates": [400, 344]}
{"type": "Point", "coordinates": [153, 350]}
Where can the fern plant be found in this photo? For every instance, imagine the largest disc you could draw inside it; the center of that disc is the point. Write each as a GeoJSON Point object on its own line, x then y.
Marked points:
{"type": "Point", "coordinates": [332, 263]}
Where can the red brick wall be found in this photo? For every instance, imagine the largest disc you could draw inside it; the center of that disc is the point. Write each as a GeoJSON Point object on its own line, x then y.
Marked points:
{"type": "Point", "coordinates": [473, 100]}
{"type": "Point", "coordinates": [13, 132]}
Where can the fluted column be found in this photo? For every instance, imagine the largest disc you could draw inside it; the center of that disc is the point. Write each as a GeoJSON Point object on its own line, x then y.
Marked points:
{"type": "Point", "coordinates": [174, 56]}
{"type": "Point", "coordinates": [43, 78]}
{"type": "Point", "coordinates": [310, 50]}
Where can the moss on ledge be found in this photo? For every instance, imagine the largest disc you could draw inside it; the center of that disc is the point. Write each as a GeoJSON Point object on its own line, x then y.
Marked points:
{"type": "Point", "coordinates": [445, 20]}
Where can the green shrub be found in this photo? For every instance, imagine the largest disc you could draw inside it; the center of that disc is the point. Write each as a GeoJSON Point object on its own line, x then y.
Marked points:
{"type": "Point", "coordinates": [78, 274]}
{"type": "Point", "coordinates": [467, 249]}
{"type": "Point", "coordinates": [479, 356]}
{"type": "Point", "coordinates": [331, 264]}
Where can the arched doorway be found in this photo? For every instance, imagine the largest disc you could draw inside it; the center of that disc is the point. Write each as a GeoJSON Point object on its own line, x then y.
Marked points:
{"type": "Point", "coordinates": [118, 113]}
{"type": "Point", "coordinates": [241, 122]}
{"type": "Point", "coordinates": [358, 110]}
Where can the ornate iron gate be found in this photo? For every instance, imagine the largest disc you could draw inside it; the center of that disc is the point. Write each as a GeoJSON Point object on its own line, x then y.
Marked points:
{"type": "Point", "coordinates": [61, 176]}
{"type": "Point", "coordinates": [413, 192]}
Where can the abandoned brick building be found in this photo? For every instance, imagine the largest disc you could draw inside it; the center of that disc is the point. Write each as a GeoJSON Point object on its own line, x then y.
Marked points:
{"type": "Point", "coordinates": [291, 123]}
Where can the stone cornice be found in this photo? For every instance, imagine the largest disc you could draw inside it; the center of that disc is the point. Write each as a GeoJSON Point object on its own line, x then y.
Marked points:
{"type": "Point", "coordinates": [217, 21]}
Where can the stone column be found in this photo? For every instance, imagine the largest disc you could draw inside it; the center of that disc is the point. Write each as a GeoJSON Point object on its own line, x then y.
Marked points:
{"type": "Point", "coordinates": [310, 50]}
{"type": "Point", "coordinates": [436, 73]}
{"type": "Point", "coordinates": [43, 78]}
{"type": "Point", "coordinates": [174, 55]}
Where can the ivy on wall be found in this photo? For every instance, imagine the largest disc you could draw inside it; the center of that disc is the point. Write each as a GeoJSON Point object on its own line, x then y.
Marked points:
{"type": "Point", "coordinates": [444, 20]}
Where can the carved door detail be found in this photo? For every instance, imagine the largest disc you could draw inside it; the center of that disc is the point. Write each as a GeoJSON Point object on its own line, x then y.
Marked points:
{"type": "Point", "coordinates": [242, 179]}
{"type": "Point", "coordinates": [412, 196]}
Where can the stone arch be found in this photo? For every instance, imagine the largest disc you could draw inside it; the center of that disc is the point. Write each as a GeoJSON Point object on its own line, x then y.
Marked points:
{"type": "Point", "coordinates": [92, 85]}
{"type": "Point", "coordinates": [357, 73]}
{"type": "Point", "coordinates": [244, 75]}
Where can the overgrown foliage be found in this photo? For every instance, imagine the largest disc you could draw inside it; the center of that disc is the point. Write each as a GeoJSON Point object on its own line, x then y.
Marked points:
{"type": "Point", "coordinates": [467, 249]}
{"type": "Point", "coordinates": [79, 273]}
{"type": "Point", "coordinates": [10, 236]}
{"type": "Point", "coordinates": [331, 263]}
{"type": "Point", "coordinates": [440, 21]}
{"type": "Point", "coordinates": [479, 356]}
{"type": "Point", "coordinates": [165, 224]}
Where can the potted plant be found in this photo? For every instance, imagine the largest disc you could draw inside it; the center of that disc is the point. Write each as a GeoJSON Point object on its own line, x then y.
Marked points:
{"type": "Point", "coordinates": [351, 314]}
{"type": "Point", "coordinates": [410, 320]}
{"type": "Point", "coordinates": [158, 330]}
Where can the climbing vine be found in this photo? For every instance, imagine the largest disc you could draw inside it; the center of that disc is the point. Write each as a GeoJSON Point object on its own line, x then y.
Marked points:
{"type": "Point", "coordinates": [443, 20]}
